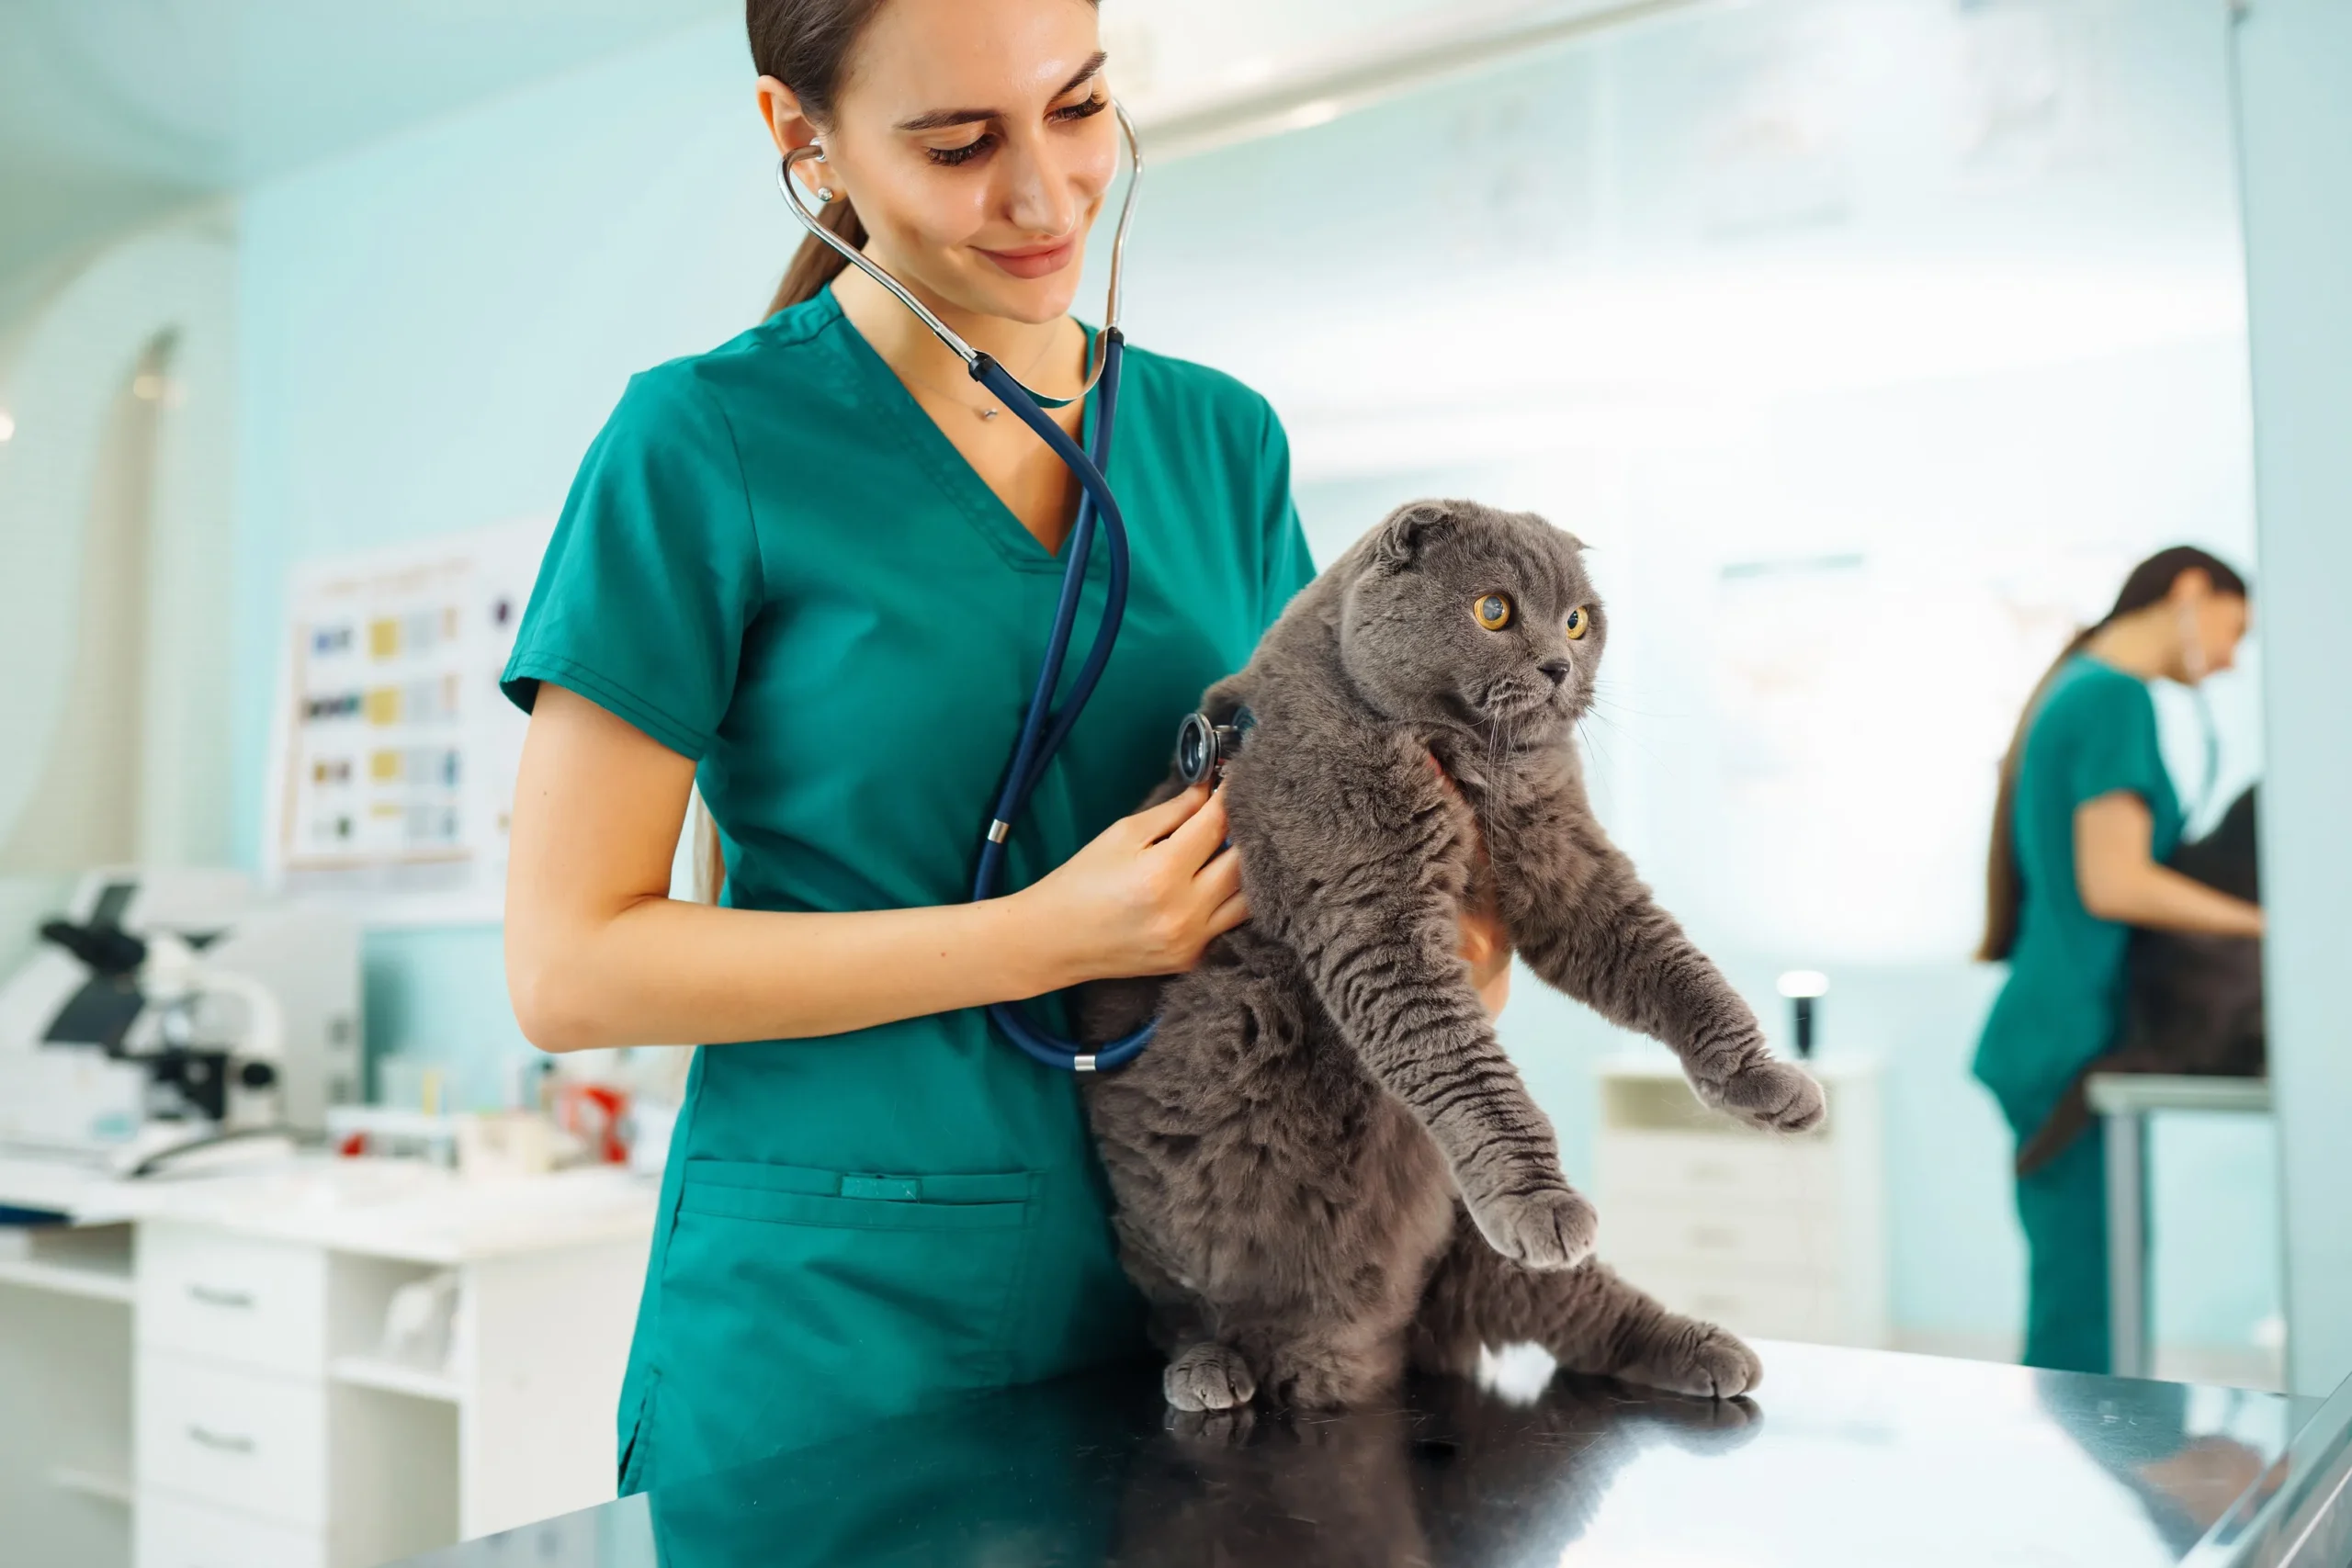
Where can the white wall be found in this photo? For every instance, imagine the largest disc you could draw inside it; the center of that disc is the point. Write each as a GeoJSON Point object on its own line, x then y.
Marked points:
{"type": "Point", "coordinates": [63, 378]}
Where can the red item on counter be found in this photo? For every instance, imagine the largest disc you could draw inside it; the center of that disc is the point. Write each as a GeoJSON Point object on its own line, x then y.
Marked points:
{"type": "Point", "coordinates": [596, 1113]}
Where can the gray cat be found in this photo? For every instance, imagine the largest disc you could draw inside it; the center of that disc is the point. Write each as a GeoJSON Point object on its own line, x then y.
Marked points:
{"type": "Point", "coordinates": [1325, 1163]}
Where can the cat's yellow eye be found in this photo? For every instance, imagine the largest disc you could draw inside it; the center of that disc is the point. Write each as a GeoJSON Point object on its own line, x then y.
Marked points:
{"type": "Point", "coordinates": [1578, 624]}
{"type": "Point", "coordinates": [1493, 611]}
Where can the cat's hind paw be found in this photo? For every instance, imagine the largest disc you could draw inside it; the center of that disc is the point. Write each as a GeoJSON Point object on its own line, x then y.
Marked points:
{"type": "Point", "coordinates": [1691, 1356]}
{"type": "Point", "coordinates": [1209, 1376]}
{"type": "Point", "coordinates": [1778, 1097]}
{"type": "Point", "coordinates": [1552, 1228]}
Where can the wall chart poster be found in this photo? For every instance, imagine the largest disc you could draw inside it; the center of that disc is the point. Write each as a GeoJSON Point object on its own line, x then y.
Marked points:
{"type": "Point", "coordinates": [392, 773]}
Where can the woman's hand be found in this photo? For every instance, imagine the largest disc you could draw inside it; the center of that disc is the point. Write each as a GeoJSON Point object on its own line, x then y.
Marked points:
{"type": "Point", "coordinates": [1486, 947]}
{"type": "Point", "coordinates": [1143, 898]}
{"type": "Point", "coordinates": [2119, 878]}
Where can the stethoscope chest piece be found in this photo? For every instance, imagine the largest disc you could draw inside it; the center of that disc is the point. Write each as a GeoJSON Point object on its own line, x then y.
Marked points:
{"type": "Point", "coordinates": [1204, 746]}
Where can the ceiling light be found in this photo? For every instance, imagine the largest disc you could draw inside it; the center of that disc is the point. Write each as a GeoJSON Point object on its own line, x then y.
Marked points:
{"type": "Point", "coordinates": [1315, 112]}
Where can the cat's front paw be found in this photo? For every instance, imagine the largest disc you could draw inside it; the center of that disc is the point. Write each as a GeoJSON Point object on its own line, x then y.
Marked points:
{"type": "Point", "coordinates": [1551, 1228]}
{"type": "Point", "coordinates": [1778, 1097]}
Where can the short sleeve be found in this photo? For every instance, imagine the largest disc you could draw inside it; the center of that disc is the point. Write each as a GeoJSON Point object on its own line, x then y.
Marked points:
{"type": "Point", "coordinates": [654, 575]}
{"type": "Point", "coordinates": [2111, 730]}
{"type": "Point", "coordinates": [1289, 565]}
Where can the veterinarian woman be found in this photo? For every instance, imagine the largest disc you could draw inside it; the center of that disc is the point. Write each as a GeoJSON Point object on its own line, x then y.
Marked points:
{"type": "Point", "coordinates": [813, 572]}
{"type": "Point", "coordinates": [2085, 820]}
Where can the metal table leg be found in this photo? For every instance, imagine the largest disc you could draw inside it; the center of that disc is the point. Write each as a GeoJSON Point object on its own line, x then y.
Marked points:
{"type": "Point", "coordinates": [2127, 1244]}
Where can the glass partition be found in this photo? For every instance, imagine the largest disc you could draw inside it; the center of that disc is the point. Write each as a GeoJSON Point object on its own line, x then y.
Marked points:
{"type": "Point", "coordinates": [1868, 343]}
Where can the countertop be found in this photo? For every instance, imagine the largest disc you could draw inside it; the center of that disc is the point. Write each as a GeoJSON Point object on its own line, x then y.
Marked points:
{"type": "Point", "coordinates": [387, 1208]}
{"type": "Point", "coordinates": [1841, 1457]}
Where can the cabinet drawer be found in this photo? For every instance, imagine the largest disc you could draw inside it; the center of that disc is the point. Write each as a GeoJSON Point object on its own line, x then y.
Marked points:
{"type": "Point", "coordinates": [1716, 1169]}
{"type": "Point", "coordinates": [1762, 1307]}
{"type": "Point", "coordinates": [1725, 1241]}
{"type": "Point", "coordinates": [230, 1298]}
{"type": "Point", "coordinates": [252, 1441]}
{"type": "Point", "coordinates": [170, 1533]}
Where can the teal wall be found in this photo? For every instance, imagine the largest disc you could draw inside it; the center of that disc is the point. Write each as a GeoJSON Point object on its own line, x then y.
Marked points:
{"type": "Point", "coordinates": [2294, 59]}
{"type": "Point", "coordinates": [434, 326]}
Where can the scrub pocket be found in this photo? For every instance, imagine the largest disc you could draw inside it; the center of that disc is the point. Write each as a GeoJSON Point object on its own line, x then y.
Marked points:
{"type": "Point", "coordinates": [797, 1303]}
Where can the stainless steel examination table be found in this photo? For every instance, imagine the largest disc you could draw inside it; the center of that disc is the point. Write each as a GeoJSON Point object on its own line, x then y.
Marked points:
{"type": "Point", "coordinates": [1843, 1457]}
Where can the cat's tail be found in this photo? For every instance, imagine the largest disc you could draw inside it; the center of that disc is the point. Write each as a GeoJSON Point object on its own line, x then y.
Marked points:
{"type": "Point", "coordinates": [2073, 1112]}
{"type": "Point", "coordinates": [2058, 1131]}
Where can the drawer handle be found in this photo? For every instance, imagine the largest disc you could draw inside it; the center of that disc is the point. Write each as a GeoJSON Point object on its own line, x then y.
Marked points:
{"type": "Point", "coordinates": [220, 1442]}
{"type": "Point", "coordinates": [1713, 1236]}
{"type": "Point", "coordinates": [214, 1296]}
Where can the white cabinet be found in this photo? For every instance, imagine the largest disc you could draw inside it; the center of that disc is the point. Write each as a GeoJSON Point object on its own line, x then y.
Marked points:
{"type": "Point", "coordinates": [1777, 1237]}
{"type": "Point", "coordinates": [253, 1420]}
{"type": "Point", "coordinates": [238, 1438]}
{"type": "Point", "coordinates": [207, 1291]}
{"type": "Point", "coordinates": [173, 1533]}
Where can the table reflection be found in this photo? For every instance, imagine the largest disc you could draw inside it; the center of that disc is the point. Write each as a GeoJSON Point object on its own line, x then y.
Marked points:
{"type": "Point", "coordinates": [1844, 1457]}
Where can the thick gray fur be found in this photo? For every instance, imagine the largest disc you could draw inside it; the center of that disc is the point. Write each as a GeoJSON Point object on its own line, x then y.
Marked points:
{"type": "Point", "coordinates": [1325, 1163]}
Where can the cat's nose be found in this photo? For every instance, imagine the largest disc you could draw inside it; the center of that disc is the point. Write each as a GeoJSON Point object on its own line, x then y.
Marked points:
{"type": "Point", "coordinates": [1556, 668]}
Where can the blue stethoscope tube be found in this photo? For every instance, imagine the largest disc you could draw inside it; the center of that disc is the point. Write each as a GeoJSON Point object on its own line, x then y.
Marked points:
{"type": "Point", "coordinates": [1039, 739]}
{"type": "Point", "coordinates": [1044, 728]}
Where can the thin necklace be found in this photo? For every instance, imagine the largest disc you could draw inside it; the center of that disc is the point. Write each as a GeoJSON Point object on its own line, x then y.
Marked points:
{"type": "Point", "coordinates": [989, 413]}
{"type": "Point", "coordinates": [994, 407]}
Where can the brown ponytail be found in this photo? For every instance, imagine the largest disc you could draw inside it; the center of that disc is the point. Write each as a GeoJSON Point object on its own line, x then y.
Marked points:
{"type": "Point", "coordinates": [806, 45]}
{"type": "Point", "coordinates": [2150, 582]}
{"type": "Point", "coordinates": [816, 264]}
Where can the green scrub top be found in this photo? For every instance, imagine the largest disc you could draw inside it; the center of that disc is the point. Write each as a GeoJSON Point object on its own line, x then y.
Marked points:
{"type": "Point", "coordinates": [774, 562]}
{"type": "Point", "coordinates": [2093, 733]}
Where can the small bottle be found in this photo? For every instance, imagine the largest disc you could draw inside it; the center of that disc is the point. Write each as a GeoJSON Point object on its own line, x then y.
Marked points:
{"type": "Point", "coordinates": [1803, 987]}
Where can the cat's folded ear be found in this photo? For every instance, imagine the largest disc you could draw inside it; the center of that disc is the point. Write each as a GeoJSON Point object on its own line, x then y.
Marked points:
{"type": "Point", "coordinates": [1405, 533]}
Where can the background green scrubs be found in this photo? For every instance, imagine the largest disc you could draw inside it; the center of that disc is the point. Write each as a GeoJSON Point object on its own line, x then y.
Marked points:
{"type": "Point", "coordinates": [2093, 733]}
{"type": "Point", "coordinates": [774, 562]}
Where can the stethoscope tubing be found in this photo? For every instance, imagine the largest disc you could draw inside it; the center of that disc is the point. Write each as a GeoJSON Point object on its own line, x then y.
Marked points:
{"type": "Point", "coordinates": [1044, 728]}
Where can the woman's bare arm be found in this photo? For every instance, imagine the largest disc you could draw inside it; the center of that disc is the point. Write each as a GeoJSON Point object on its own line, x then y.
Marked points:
{"type": "Point", "coordinates": [2119, 878]}
{"type": "Point", "coordinates": [597, 953]}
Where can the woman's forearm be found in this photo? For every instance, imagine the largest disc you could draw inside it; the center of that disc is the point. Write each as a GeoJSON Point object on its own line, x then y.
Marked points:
{"type": "Point", "coordinates": [598, 954]}
{"type": "Point", "coordinates": [2119, 878]}
{"type": "Point", "coordinates": [661, 971]}
{"type": "Point", "coordinates": [2160, 898]}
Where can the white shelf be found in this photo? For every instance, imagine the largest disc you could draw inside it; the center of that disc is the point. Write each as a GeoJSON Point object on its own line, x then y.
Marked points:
{"type": "Point", "coordinates": [373, 1371]}
{"type": "Point", "coordinates": [98, 1283]}
{"type": "Point", "coordinates": [89, 1483]}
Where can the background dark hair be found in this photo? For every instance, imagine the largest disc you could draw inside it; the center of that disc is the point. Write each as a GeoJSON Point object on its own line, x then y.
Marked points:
{"type": "Point", "coordinates": [2147, 585]}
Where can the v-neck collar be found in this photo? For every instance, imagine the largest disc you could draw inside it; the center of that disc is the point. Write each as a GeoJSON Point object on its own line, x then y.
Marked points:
{"type": "Point", "coordinates": [891, 406]}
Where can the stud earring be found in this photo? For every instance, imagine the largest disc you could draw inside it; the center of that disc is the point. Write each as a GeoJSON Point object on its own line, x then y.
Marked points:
{"type": "Point", "coordinates": [824, 195]}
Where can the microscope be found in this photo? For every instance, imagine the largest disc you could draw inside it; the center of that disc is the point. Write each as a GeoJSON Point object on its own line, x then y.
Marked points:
{"type": "Point", "coordinates": [170, 1010]}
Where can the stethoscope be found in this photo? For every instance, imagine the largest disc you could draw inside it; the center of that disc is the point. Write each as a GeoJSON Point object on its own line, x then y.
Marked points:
{"type": "Point", "coordinates": [1201, 746]}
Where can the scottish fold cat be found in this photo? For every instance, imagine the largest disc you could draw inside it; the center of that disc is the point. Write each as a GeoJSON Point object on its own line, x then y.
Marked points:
{"type": "Point", "coordinates": [1325, 1165]}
